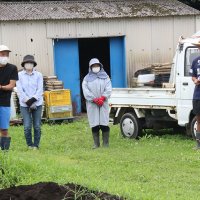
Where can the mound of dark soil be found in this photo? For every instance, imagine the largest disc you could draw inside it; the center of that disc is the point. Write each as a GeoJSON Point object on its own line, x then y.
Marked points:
{"type": "Point", "coordinates": [53, 191]}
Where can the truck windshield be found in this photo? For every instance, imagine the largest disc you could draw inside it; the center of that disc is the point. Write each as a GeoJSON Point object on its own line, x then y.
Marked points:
{"type": "Point", "coordinates": [190, 54]}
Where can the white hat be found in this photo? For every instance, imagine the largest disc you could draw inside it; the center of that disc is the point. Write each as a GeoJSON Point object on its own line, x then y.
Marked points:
{"type": "Point", "coordinates": [4, 48]}
{"type": "Point", "coordinates": [94, 61]}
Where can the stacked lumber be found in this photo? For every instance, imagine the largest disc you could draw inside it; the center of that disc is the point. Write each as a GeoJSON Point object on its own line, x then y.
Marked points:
{"type": "Point", "coordinates": [52, 83]}
{"type": "Point", "coordinates": [158, 69]}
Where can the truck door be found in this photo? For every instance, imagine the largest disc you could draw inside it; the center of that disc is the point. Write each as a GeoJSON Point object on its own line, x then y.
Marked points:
{"type": "Point", "coordinates": [186, 83]}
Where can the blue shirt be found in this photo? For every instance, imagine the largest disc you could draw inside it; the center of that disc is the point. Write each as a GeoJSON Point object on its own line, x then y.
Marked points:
{"type": "Point", "coordinates": [28, 86]}
{"type": "Point", "coordinates": [195, 72]}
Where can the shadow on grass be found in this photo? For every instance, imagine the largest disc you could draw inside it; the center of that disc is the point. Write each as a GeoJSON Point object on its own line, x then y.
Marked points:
{"type": "Point", "coordinates": [166, 133]}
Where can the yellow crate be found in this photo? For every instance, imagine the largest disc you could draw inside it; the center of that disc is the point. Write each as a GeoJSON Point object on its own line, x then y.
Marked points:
{"type": "Point", "coordinates": [57, 97]}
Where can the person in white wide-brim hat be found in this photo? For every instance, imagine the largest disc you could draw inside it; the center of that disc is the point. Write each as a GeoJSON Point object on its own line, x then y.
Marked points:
{"type": "Point", "coordinates": [9, 76]}
{"type": "Point", "coordinates": [195, 73]}
{"type": "Point", "coordinates": [97, 89]}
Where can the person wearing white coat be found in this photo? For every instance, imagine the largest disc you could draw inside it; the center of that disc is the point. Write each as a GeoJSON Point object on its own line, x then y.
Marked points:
{"type": "Point", "coordinates": [97, 89]}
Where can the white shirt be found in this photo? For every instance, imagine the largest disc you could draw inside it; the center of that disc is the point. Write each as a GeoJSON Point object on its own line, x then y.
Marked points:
{"type": "Point", "coordinates": [28, 86]}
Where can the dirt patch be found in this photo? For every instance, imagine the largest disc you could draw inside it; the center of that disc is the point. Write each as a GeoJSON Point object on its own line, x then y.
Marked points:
{"type": "Point", "coordinates": [53, 191]}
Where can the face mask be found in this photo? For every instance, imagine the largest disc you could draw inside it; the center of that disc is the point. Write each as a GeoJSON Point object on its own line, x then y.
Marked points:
{"type": "Point", "coordinates": [3, 60]}
{"type": "Point", "coordinates": [28, 66]}
{"type": "Point", "coordinates": [95, 69]}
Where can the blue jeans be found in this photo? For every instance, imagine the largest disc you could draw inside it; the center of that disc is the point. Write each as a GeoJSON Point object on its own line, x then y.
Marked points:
{"type": "Point", "coordinates": [29, 118]}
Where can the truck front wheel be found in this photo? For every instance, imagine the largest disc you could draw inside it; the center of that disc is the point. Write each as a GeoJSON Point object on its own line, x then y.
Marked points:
{"type": "Point", "coordinates": [130, 126]}
{"type": "Point", "coordinates": [193, 127]}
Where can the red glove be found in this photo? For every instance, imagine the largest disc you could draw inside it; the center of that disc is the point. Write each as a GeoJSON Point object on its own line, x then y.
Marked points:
{"type": "Point", "coordinates": [96, 100]}
{"type": "Point", "coordinates": [102, 98]}
{"type": "Point", "coordinates": [100, 102]}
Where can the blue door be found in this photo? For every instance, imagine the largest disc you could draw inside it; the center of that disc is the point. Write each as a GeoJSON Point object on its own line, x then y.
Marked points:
{"type": "Point", "coordinates": [66, 62]}
{"type": "Point", "coordinates": [117, 62]}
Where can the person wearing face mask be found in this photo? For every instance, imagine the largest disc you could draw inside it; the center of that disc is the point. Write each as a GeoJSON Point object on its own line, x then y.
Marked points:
{"type": "Point", "coordinates": [30, 92]}
{"type": "Point", "coordinates": [8, 77]}
{"type": "Point", "coordinates": [97, 89]}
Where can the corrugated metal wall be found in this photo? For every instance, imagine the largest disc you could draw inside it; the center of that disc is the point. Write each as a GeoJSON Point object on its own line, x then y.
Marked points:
{"type": "Point", "coordinates": [148, 40]}
{"type": "Point", "coordinates": [28, 38]}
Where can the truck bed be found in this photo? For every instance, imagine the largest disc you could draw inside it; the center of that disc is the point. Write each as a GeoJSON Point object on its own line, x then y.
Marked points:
{"type": "Point", "coordinates": [143, 97]}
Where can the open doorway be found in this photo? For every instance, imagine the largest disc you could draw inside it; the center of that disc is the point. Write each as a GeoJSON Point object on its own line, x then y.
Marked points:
{"type": "Point", "coordinates": [92, 48]}
{"type": "Point", "coordinates": [71, 58]}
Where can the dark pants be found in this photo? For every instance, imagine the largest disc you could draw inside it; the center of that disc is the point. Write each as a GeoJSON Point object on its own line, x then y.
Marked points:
{"type": "Point", "coordinates": [29, 118]}
{"type": "Point", "coordinates": [196, 106]}
{"type": "Point", "coordinates": [103, 128]}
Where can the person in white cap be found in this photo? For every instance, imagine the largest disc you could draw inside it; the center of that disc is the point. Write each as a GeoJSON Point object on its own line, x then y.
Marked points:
{"type": "Point", "coordinates": [97, 89]}
{"type": "Point", "coordinates": [8, 78]}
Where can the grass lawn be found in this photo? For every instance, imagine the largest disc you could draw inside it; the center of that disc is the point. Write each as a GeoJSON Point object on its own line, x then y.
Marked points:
{"type": "Point", "coordinates": [155, 167]}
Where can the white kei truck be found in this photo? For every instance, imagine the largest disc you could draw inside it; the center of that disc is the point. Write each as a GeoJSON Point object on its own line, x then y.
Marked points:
{"type": "Point", "coordinates": [141, 108]}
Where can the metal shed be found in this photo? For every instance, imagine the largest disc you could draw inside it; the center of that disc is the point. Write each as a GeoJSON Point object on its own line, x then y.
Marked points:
{"type": "Point", "coordinates": [124, 35]}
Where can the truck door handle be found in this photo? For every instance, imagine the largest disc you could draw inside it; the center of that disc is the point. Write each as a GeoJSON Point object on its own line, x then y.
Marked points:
{"type": "Point", "coordinates": [185, 83]}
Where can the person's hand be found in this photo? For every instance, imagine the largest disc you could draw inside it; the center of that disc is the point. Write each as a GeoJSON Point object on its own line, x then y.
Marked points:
{"type": "Point", "coordinates": [96, 100]}
{"type": "Point", "coordinates": [32, 107]}
{"type": "Point", "coordinates": [196, 82]}
{"type": "Point", "coordinates": [100, 102]}
{"type": "Point", "coordinates": [31, 101]}
{"type": "Point", "coordinates": [102, 98]}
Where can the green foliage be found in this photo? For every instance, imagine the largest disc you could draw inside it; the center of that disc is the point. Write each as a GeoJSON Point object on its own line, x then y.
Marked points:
{"type": "Point", "coordinates": [158, 166]}
{"type": "Point", "coordinates": [10, 175]}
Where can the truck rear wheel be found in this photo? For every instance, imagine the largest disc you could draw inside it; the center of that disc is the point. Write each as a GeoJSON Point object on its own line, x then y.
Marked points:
{"type": "Point", "coordinates": [130, 126]}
